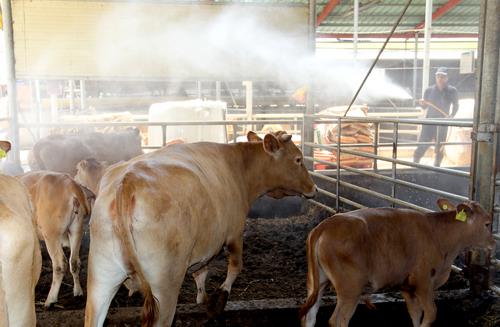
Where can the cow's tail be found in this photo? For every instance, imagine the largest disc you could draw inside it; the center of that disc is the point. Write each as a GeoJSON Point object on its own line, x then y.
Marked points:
{"type": "Point", "coordinates": [312, 272]}
{"type": "Point", "coordinates": [122, 224]}
{"type": "Point", "coordinates": [80, 197]}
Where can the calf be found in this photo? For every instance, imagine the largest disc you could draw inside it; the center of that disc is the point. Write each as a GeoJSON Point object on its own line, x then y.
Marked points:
{"type": "Point", "coordinates": [163, 212]}
{"type": "Point", "coordinates": [89, 173]}
{"type": "Point", "coordinates": [20, 259]}
{"type": "Point", "coordinates": [61, 206]}
{"type": "Point", "coordinates": [385, 247]}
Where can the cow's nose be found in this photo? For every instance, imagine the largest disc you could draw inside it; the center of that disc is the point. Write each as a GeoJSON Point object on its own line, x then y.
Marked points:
{"type": "Point", "coordinates": [311, 194]}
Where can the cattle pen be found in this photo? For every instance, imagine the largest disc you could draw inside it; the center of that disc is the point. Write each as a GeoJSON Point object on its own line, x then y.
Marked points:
{"type": "Point", "coordinates": [360, 160]}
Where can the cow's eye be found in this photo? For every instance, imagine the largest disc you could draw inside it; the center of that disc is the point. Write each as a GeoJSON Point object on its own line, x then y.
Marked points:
{"type": "Point", "coordinates": [298, 160]}
{"type": "Point", "coordinates": [488, 225]}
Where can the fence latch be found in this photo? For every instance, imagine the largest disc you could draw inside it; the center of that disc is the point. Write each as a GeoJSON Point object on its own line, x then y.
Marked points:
{"type": "Point", "coordinates": [485, 132]}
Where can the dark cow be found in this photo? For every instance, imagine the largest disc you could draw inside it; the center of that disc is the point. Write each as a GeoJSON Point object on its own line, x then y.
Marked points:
{"type": "Point", "coordinates": [61, 153]}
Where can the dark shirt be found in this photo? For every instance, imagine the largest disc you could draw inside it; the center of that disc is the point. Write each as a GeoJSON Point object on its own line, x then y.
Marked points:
{"type": "Point", "coordinates": [441, 99]}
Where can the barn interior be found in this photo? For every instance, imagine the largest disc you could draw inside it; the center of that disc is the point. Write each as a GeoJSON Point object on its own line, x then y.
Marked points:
{"type": "Point", "coordinates": [344, 77]}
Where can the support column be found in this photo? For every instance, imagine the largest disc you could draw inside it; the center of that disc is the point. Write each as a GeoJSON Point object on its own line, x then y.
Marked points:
{"type": "Point", "coordinates": [71, 85]}
{"type": "Point", "coordinates": [427, 40]}
{"type": "Point", "coordinates": [356, 28]}
{"type": "Point", "coordinates": [14, 156]}
{"type": "Point", "coordinates": [249, 101]}
{"type": "Point", "coordinates": [415, 68]}
{"type": "Point", "coordinates": [484, 169]}
{"type": "Point", "coordinates": [308, 127]}
{"type": "Point", "coordinates": [83, 96]}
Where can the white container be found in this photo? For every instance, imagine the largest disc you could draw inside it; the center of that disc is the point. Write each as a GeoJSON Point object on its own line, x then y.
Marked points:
{"type": "Point", "coordinates": [191, 110]}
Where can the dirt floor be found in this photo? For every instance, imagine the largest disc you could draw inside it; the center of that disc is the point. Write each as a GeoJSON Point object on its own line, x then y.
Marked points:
{"type": "Point", "coordinates": [274, 268]}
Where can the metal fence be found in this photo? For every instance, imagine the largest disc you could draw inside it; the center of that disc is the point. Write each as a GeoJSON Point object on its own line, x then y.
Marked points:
{"type": "Point", "coordinates": [334, 177]}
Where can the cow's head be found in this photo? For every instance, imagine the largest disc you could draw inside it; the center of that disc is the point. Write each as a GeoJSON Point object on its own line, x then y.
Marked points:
{"type": "Point", "coordinates": [89, 173]}
{"type": "Point", "coordinates": [4, 148]}
{"type": "Point", "coordinates": [477, 222]}
{"type": "Point", "coordinates": [287, 169]}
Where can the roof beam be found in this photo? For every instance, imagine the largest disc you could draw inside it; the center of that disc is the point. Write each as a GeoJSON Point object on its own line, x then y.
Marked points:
{"type": "Point", "coordinates": [440, 12]}
{"type": "Point", "coordinates": [326, 11]}
{"type": "Point", "coordinates": [395, 36]}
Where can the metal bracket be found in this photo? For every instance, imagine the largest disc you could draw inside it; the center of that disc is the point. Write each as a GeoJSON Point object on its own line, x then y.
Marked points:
{"type": "Point", "coordinates": [485, 132]}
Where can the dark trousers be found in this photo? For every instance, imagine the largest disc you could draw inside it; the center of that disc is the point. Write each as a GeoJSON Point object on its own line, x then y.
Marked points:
{"type": "Point", "coordinates": [428, 134]}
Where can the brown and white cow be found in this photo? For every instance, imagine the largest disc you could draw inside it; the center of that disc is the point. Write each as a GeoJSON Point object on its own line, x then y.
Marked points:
{"type": "Point", "coordinates": [386, 247]}
{"type": "Point", "coordinates": [61, 206]}
{"type": "Point", "coordinates": [20, 258]}
{"type": "Point", "coordinates": [160, 213]}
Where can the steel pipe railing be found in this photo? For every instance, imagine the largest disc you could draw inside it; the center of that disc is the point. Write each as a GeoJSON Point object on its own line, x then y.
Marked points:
{"type": "Point", "coordinates": [321, 205]}
{"type": "Point", "coordinates": [328, 119]}
{"type": "Point", "coordinates": [372, 193]}
{"type": "Point", "coordinates": [345, 200]}
{"type": "Point", "coordinates": [404, 183]}
{"type": "Point", "coordinates": [397, 161]}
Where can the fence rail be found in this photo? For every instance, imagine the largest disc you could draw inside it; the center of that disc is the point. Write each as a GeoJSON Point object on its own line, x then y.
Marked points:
{"type": "Point", "coordinates": [334, 176]}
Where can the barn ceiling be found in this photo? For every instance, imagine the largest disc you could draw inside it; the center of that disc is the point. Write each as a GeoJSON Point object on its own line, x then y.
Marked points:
{"type": "Point", "coordinates": [452, 18]}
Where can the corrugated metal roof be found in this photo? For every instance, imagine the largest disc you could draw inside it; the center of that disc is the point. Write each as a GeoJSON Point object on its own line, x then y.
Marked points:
{"type": "Point", "coordinates": [378, 16]}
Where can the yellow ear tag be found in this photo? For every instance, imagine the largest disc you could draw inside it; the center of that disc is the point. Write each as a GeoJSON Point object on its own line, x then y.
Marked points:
{"type": "Point", "coordinates": [445, 207]}
{"type": "Point", "coordinates": [462, 216]}
{"type": "Point", "coordinates": [3, 154]}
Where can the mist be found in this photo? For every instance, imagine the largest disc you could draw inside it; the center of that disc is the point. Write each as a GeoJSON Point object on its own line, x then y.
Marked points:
{"type": "Point", "coordinates": [147, 41]}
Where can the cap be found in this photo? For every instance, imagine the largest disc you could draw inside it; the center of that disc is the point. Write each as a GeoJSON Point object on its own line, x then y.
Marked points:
{"type": "Point", "coordinates": [442, 71]}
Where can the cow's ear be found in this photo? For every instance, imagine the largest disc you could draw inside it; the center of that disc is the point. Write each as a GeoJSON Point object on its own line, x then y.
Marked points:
{"type": "Point", "coordinates": [464, 211]}
{"type": "Point", "coordinates": [285, 137]}
{"type": "Point", "coordinates": [445, 205]}
{"type": "Point", "coordinates": [271, 144]}
{"type": "Point", "coordinates": [5, 146]}
{"type": "Point", "coordinates": [253, 137]}
{"type": "Point", "coordinates": [82, 164]}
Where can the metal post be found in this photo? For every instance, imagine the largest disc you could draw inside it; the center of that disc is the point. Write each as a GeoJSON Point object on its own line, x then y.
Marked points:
{"type": "Point", "coordinates": [83, 96]}
{"type": "Point", "coordinates": [217, 90]}
{"type": "Point", "coordinates": [356, 28]}
{"type": "Point", "coordinates": [308, 130]}
{"type": "Point", "coordinates": [375, 146]}
{"type": "Point", "coordinates": [437, 147]}
{"type": "Point", "coordinates": [163, 135]}
{"type": "Point", "coordinates": [415, 67]}
{"type": "Point", "coordinates": [14, 157]}
{"type": "Point", "coordinates": [484, 170]}
{"type": "Point", "coordinates": [38, 100]}
{"type": "Point", "coordinates": [198, 84]}
{"type": "Point", "coordinates": [339, 141]}
{"type": "Point", "coordinates": [71, 85]}
{"type": "Point", "coordinates": [427, 40]}
{"type": "Point", "coordinates": [394, 157]}
{"type": "Point", "coordinates": [249, 99]}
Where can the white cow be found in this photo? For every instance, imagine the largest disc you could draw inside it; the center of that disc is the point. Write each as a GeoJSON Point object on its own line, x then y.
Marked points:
{"type": "Point", "coordinates": [20, 258]}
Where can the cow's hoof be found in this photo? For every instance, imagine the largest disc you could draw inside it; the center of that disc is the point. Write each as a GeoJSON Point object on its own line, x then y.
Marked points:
{"type": "Point", "coordinates": [217, 303]}
{"type": "Point", "coordinates": [49, 306]}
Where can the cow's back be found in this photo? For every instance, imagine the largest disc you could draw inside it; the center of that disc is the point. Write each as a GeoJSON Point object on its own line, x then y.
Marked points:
{"type": "Point", "coordinates": [183, 189]}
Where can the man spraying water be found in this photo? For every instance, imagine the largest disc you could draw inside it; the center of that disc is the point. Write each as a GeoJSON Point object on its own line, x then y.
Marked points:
{"type": "Point", "coordinates": [437, 101]}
